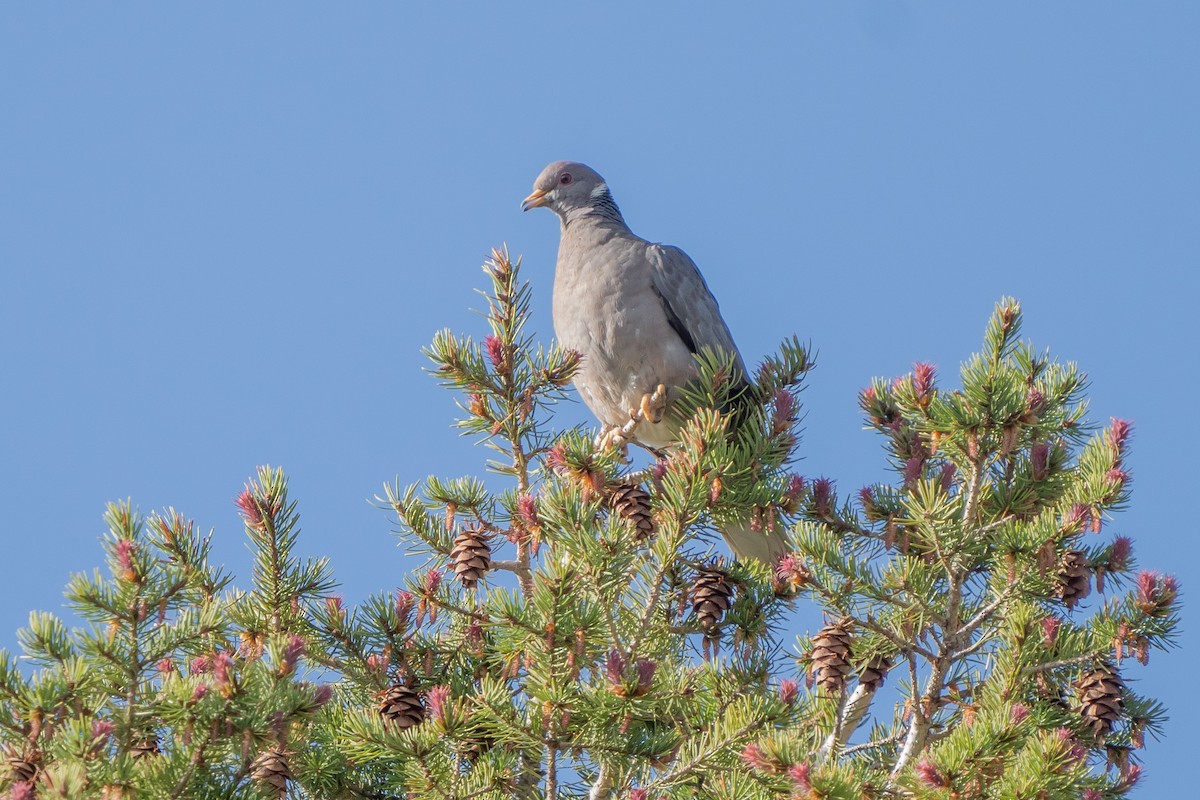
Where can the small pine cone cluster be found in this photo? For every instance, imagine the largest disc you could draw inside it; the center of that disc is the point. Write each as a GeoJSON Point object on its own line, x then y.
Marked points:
{"type": "Point", "coordinates": [402, 706]}
{"type": "Point", "coordinates": [272, 771]}
{"type": "Point", "coordinates": [830, 655]}
{"type": "Point", "coordinates": [712, 594]}
{"type": "Point", "coordinates": [873, 673]}
{"type": "Point", "coordinates": [1074, 577]}
{"type": "Point", "coordinates": [632, 503]}
{"type": "Point", "coordinates": [471, 556]}
{"type": "Point", "coordinates": [1100, 699]}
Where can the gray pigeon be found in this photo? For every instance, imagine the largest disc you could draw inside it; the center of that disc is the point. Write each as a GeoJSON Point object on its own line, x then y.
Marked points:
{"type": "Point", "coordinates": [638, 312]}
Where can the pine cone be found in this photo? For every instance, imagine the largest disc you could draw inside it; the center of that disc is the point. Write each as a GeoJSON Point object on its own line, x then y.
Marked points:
{"type": "Point", "coordinates": [1100, 699]}
{"type": "Point", "coordinates": [272, 771]}
{"type": "Point", "coordinates": [830, 655]}
{"type": "Point", "coordinates": [23, 767]}
{"type": "Point", "coordinates": [712, 595]}
{"type": "Point", "coordinates": [402, 705]}
{"type": "Point", "coordinates": [471, 556]}
{"type": "Point", "coordinates": [872, 673]}
{"type": "Point", "coordinates": [476, 747]}
{"type": "Point", "coordinates": [632, 503]}
{"type": "Point", "coordinates": [1074, 577]}
{"type": "Point", "coordinates": [147, 746]}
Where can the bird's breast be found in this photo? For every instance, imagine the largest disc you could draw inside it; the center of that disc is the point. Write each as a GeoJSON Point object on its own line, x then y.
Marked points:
{"type": "Point", "coordinates": [606, 309]}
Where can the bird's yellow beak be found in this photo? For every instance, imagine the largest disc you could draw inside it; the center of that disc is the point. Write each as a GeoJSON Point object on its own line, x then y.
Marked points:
{"type": "Point", "coordinates": [539, 198]}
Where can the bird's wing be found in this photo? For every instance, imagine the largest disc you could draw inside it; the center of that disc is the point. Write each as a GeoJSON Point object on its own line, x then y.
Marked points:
{"type": "Point", "coordinates": [687, 302]}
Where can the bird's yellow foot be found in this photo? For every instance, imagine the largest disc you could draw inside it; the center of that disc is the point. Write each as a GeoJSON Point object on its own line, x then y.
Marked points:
{"type": "Point", "coordinates": [654, 405]}
{"type": "Point", "coordinates": [615, 436]}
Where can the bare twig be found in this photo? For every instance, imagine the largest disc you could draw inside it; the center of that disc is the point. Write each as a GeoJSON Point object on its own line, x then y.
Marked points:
{"type": "Point", "coordinates": [858, 748]}
{"type": "Point", "coordinates": [602, 788]}
{"type": "Point", "coordinates": [850, 714]}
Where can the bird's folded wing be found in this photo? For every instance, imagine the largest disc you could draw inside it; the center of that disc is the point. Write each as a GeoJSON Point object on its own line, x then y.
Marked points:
{"type": "Point", "coordinates": [690, 307]}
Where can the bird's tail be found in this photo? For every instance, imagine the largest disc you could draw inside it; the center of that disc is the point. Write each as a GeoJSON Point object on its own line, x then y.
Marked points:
{"type": "Point", "coordinates": [745, 542]}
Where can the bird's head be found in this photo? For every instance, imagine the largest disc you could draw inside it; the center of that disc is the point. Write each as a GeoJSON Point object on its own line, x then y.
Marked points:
{"type": "Point", "coordinates": [568, 186]}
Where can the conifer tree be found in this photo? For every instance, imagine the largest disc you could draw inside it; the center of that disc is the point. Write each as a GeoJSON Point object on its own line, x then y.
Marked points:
{"type": "Point", "coordinates": [574, 633]}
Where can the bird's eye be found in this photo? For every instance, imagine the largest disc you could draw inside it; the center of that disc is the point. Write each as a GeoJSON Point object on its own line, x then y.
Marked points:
{"type": "Point", "coordinates": [565, 179]}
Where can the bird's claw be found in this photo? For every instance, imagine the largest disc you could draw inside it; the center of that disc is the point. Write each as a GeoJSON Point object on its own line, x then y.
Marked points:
{"type": "Point", "coordinates": [651, 409]}
{"type": "Point", "coordinates": [654, 405]}
{"type": "Point", "coordinates": [614, 436]}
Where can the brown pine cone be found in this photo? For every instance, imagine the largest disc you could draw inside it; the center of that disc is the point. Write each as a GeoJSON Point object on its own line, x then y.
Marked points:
{"type": "Point", "coordinates": [1100, 699]}
{"type": "Point", "coordinates": [712, 594]}
{"type": "Point", "coordinates": [873, 673]}
{"type": "Point", "coordinates": [830, 655]}
{"type": "Point", "coordinates": [23, 767]}
{"type": "Point", "coordinates": [1074, 577]}
{"type": "Point", "coordinates": [147, 746]}
{"type": "Point", "coordinates": [471, 556]}
{"type": "Point", "coordinates": [632, 503]}
{"type": "Point", "coordinates": [402, 705]}
{"type": "Point", "coordinates": [272, 771]}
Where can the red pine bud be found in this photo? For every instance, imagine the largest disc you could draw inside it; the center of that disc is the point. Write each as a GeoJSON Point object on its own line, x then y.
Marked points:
{"type": "Point", "coordinates": [222, 665]}
{"type": "Point", "coordinates": [822, 496]}
{"type": "Point", "coordinates": [1131, 776]}
{"type": "Point", "coordinates": [1039, 460]}
{"type": "Point", "coordinates": [125, 548]}
{"type": "Point", "coordinates": [930, 775]}
{"type": "Point", "coordinates": [1156, 592]}
{"type": "Point", "coordinates": [614, 667]}
{"type": "Point", "coordinates": [292, 653]}
{"type": "Point", "coordinates": [1118, 554]}
{"type": "Point", "coordinates": [251, 511]}
{"type": "Point", "coordinates": [436, 699]}
{"type": "Point", "coordinates": [1073, 749]}
{"type": "Point", "coordinates": [754, 756]}
{"type": "Point", "coordinates": [645, 671]}
{"type": "Point", "coordinates": [912, 470]}
{"type": "Point", "coordinates": [404, 606]}
{"type": "Point", "coordinates": [556, 457]}
{"type": "Point", "coordinates": [1050, 627]}
{"type": "Point", "coordinates": [527, 508]}
{"type": "Point", "coordinates": [784, 411]}
{"type": "Point", "coordinates": [322, 694]}
{"type": "Point", "coordinates": [433, 579]}
{"type": "Point", "coordinates": [801, 775]}
{"type": "Point", "coordinates": [1074, 519]}
{"type": "Point", "coordinates": [947, 476]}
{"type": "Point", "coordinates": [1035, 401]}
{"type": "Point", "coordinates": [477, 405]}
{"type": "Point", "coordinates": [334, 606]}
{"type": "Point", "coordinates": [922, 381]}
{"type": "Point", "coordinates": [1118, 434]}
{"type": "Point", "coordinates": [495, 352]}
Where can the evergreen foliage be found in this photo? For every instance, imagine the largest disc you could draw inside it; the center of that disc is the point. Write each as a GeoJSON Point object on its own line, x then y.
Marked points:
{"type": "Point", "coordinates": [574, 635]}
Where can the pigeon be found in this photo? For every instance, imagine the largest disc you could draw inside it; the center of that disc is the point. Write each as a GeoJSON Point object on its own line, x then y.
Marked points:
{"type": "Point", "coordinates": [638, 313]}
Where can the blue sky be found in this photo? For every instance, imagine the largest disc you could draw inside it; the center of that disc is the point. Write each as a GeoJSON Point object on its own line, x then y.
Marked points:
{"type": "Point", "coordinates": [226, 232]}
